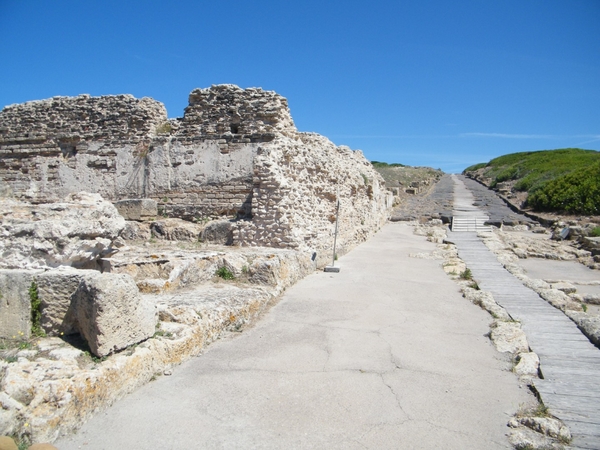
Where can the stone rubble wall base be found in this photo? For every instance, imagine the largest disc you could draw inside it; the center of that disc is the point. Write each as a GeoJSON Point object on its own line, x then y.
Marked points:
{"type": "Point", "coordinates": [55, 395]}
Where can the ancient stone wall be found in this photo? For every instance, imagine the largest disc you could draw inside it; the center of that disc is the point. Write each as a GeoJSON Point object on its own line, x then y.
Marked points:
{"type": "Point", "coordinates": [122, 147]}
{"type": "Point", "coordinates": [297, 182]}
{"type": "Point", "coordinates": [235, 153]}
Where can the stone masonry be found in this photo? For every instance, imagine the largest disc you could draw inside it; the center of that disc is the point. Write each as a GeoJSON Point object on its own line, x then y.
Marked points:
{"type": "Point", "coordinates": [234, 154]}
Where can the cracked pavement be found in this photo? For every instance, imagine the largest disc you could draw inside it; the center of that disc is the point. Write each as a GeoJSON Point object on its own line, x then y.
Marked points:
{"type": "Point", "coordinates": [385, 354]}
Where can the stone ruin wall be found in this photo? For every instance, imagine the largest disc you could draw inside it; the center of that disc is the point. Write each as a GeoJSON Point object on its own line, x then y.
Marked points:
{"type": "Point", "coordinates": [297, 183]}
{"type": "Point", "coordinates": [235, 153]}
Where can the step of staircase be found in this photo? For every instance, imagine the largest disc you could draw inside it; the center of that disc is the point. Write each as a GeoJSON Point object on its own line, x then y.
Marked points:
{"type": "Point", "coordinates": [470, 223]}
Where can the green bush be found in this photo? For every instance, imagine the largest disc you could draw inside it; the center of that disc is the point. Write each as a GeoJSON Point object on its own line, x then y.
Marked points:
{"type": "Point", "coordinates": [565, 180]}
{"type": "Point", "coordinates": [225, 273]}
{"type": "Point", "coordinates": [577, 192]}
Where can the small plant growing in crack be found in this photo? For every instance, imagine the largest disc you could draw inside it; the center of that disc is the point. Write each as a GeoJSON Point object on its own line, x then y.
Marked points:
{"type": "Point", "coordinates": [474, 285]}
{"type": "Point", "coordinates": [466, 274]}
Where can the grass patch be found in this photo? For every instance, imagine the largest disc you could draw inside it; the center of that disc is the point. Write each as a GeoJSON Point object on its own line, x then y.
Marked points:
{"type": "Point", "coordinates": [595, 233]}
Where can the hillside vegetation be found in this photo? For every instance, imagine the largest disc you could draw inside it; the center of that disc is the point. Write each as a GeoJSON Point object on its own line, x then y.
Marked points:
{"type": "Point", "coordinates": [396, 174]}
{"type": "Point", "coordinates": [565, 180]}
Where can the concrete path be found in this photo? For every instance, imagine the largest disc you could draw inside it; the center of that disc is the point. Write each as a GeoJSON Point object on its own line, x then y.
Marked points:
{"type": "Point", "coordinates": [569, 363]}
{"type": "Point", "coordinates": [385, 354]}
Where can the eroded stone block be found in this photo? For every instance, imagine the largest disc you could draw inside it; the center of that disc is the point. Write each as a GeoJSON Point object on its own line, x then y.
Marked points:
{"type": "Point", "coordinates": [137, 209]}
{"type": "Point", "coordinates": [111, 314]}
{"type": "Point", "coordinates": [56, 289]}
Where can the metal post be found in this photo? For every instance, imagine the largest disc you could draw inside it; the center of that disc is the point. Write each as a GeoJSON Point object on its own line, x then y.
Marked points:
{"type": "Point", "coordinates": [337, 213]}
{"type": "Point", "coordinates": [332, 268]}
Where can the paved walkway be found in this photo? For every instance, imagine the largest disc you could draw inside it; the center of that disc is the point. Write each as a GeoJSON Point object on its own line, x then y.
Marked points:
{"type": "Point", "coordinates": [385, 354]}
{"type": "Point", "coordinates": [570, 364]}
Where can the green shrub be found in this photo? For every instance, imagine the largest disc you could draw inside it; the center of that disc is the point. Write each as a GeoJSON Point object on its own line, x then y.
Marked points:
{"type": "Point", "coordinates": [577, 192]}
{"type": "Point", "coordinates": [225, 273]}
{"type": "Point", "coordinates": [595, 233]}
{"type": "Point", "coordinates": [564, 180]}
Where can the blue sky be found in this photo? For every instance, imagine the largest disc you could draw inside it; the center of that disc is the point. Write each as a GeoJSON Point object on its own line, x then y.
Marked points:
{"type": "Point", "coordinates": [438, 83]}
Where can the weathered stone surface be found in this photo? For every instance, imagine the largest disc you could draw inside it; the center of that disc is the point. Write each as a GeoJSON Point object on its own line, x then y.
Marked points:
{"type": "Point", "coordinates": [76, 232]}
{"type": "Point", "coordinates": [137, 209]}
{"type": "Point", "coordinates": [55, 387]}
{"type": "Point", "coordinates": [56, 289]}
{"type": "Point", "coordinates": [527, 364]}
{"type": "Point", "coordinates": [559, 299]}
{"type": "Point", "coordinates": [487, 302]}
{"type": "Point", "coordinates": [547, 426]}
{"type": "Point", "coordinates": [15, 303]}
{"type": "Point", "coordinates": [590, 324]}
{"type": "Point", "coordinates": [508, 337]}
{"type": "Point", "coordinates": [592, 299]}
{"type": "Point", "coordinates": [175, 230]}
{"type": "Point", "coordinates": [111, 314]}
{"type": "Point", "coordinates": [525, 438]}
{"type": "Point", "coordinates": [134, 231]}
{"type": "Point", "coordinates": [567, 288]}
{"type": "Point", "coordinates": [218, 232]}
{"type": "Point", "coordinates": [296, 185]}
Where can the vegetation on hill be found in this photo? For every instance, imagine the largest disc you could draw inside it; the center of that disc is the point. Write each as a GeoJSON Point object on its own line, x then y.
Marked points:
{"type": "Point", "coordinates": [396, 174]}
{"type": "Point", "coordinates": [565, 180]}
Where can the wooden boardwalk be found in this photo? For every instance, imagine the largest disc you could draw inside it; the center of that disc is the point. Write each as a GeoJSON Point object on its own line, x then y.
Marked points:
{"type": "Point", "coordinates": [569, 363]}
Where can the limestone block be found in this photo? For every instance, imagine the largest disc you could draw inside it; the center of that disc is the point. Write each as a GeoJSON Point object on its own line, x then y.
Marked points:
{"type": "Point", "coordinates": [559, 299]}
{"type": "Point", "coordinates": [15, 303]}
{"type": "Point", "coordinates": [548, 426]}
{"type": "Point", "coordinates": [485, 300]}
{"type": "Point", "coordinates": [175, 230]}
{"type": "Point", "coordinates": [528, 364]}
{"type": "Point", "coordinates": [76, 232]}
{"type": "Point", "coordinates": [56, 289]}
{"type": "Point", "coordinates": [137, 209]}
{"type": "Point", "coordinates": [523, 437]}
{"type": "Point", "coordinates": [111, 314]}
{"type": "Point", "coordinates": [508, 337]}
{"type": "Point", "coordinates": [134, 231]}
{"type": "Point", "coordinates": [567, 288]}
